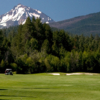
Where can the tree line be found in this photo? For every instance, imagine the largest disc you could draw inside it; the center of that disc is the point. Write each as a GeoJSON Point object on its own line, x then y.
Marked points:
{"type": "Point", "coordinates": [34, 47]}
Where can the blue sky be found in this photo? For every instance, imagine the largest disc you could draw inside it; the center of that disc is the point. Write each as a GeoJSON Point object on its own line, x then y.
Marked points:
{"type": "Point", "coordinates": [56, 9]}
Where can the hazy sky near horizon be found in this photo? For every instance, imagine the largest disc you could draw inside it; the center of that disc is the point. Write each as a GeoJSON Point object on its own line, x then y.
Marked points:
{"type": "Point", "coordinates": [56, 9]}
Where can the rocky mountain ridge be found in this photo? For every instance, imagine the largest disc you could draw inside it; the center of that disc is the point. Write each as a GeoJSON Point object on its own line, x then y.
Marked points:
{"type": "Point", "coordinates": [19, 14]}
{"type": "Point", "coordinates": [87, 24]}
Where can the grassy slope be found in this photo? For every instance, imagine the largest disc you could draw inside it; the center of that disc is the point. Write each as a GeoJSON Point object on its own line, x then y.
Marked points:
{"type": "Point", "coordinates": [48, 87]}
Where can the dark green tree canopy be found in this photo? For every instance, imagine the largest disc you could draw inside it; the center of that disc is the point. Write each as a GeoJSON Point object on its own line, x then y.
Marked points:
{"type": "Point", "coordinates": [34, 47]}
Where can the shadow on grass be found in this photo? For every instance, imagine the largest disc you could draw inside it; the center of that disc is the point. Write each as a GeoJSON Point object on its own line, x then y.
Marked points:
{"type": "Point", "coordinates": [4, 99]}
{"type": "Point", "coordinates": [14, 96]}
{"type": "Point", "coordinates": [2, 89]}
{"type": "Point", "coordinates": [42, 88]}
{"type": "Point", "coordinates": [37, 88]}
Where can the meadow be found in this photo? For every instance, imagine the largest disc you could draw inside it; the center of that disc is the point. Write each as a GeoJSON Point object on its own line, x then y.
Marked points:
{"type": "Point", "coordinates": [49, 87]}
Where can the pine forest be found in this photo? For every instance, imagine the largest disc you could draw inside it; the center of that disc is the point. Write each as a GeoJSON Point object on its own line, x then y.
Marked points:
{"type": "Point", "coordinates": [35, 48]}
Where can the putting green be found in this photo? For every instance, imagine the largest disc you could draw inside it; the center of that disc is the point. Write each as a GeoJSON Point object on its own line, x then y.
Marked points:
{"type": "Point", "coordinates": [48, 87]}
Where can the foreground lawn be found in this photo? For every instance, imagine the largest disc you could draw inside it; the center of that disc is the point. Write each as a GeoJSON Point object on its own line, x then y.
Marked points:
{"type": "Point", "coordinates": [49, 87]}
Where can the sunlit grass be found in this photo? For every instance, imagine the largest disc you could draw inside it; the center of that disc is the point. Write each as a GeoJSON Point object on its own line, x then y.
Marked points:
{"type": "Point", "coordinates": [48, 87]}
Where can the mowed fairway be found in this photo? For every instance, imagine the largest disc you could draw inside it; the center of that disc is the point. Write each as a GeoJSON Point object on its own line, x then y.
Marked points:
{"type": "Point", "coordinates": [49, 87]}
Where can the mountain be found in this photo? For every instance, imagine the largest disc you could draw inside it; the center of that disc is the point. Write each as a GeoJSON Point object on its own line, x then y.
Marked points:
{"type": "Point", "coordinates": [18, 15]}
{"type": "Point", "coordinates": [86, 25]}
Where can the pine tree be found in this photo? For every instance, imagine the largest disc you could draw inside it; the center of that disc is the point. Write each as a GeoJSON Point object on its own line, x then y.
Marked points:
{"type": "Point", "coordinates": [27, 30]}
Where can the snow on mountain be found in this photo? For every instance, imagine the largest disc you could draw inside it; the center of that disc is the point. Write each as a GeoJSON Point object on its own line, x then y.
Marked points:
{"type": "Point", "coordinates": [19, 14]}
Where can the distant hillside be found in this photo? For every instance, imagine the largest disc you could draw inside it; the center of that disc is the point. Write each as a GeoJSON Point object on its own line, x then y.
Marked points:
{"type": "Point", "coordinates": [88, 24]}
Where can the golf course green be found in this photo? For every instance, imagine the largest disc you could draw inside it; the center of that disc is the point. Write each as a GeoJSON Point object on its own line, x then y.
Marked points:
{"type": "Point", "coordinates": [49, 87]}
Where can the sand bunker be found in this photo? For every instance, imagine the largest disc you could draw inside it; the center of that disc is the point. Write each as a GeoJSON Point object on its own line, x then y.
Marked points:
{"type": "Point", "coordinates": [74, 74]}
{"type": "Point", "coordinates": [82, 74]}
{"type": "Point", "coordinates": [55, 73]}
{"type": "Point", "coordinates": [68, 74]}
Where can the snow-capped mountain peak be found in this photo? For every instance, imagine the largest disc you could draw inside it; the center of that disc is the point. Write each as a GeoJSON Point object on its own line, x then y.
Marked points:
{"type": "Point", "coordinates": [19, 14]}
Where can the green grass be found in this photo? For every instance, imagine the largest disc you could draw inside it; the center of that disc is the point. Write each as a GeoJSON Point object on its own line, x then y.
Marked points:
{"type": "Point", "coordinates": [49, 87]}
